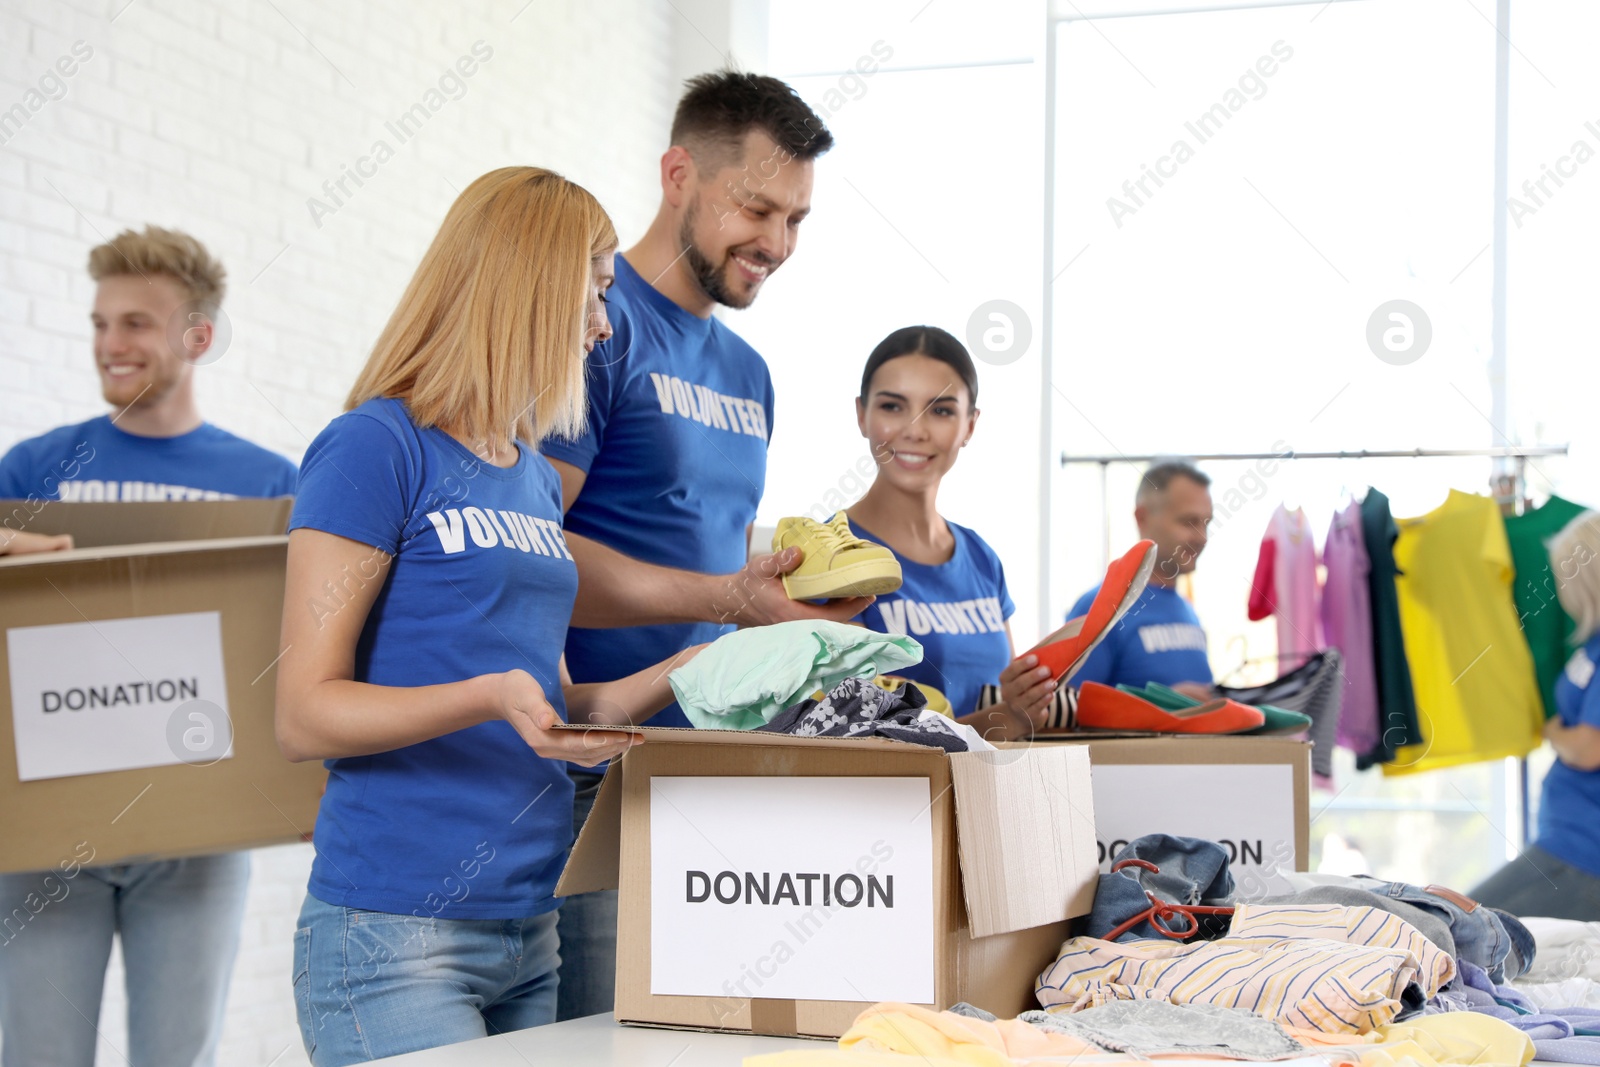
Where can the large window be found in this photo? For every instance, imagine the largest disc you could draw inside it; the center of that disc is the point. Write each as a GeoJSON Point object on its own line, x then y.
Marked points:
{"type": "Point", "coordinates": [1237, 192]}
{"type": "Point", "coordinates": [1237, 196]}
{"type": "Point", "coordinates": [1553, 355]}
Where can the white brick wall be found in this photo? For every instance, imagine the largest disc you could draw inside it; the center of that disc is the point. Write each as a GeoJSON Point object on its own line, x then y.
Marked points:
{"type": "Point", "coordinates": [221, 119]}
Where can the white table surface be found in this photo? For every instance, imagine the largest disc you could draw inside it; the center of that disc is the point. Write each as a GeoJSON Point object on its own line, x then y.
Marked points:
{"type": "Point", "coordinates": [599, 1041]}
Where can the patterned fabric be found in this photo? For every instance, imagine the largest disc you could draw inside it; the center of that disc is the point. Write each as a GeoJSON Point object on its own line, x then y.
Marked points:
{"type": "Point", "coordinates": [1373, 927]}
{"type": "Point", "coordinates": [1341, 970]}
{"type": "Point", "coordinates": [857, 707]}
{"type": "Point", "coordinates": [750, 676]}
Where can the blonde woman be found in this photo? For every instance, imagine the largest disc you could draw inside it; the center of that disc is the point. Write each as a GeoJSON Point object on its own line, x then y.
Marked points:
{"type": "Point", "coordinates": [1559, 874]}
{"type": "Point", "coordinates": [428, 595]}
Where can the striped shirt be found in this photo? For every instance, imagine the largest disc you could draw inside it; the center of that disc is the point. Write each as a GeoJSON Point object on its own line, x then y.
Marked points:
{"type": "Point", "coordinates": [1322, 967]}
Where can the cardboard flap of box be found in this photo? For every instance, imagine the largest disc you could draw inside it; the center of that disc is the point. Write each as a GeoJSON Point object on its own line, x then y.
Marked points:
{"type": "Point", "coordinates": [1026, 834]}
{"type": "Point", "coordinates": [689, 735]}
{"type": "Point", "coordinates": [596, 859]}
{"type": "Point", "coordinates": [75, 556]}
{"type": "Point", "coordinates": [95, 525]}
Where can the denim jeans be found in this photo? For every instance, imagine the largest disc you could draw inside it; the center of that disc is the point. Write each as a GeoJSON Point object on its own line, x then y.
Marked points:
{"type": "Point", "coordinates": [1489, 937]}
{"type": "Point", "coordinates": [588, 929]}
{"type": "Point", "coordinates": [369, 984]}
{"type": "Point", "coordinates": [1192, 871]}
{"type": "Point", "coordinates": [179, 925]}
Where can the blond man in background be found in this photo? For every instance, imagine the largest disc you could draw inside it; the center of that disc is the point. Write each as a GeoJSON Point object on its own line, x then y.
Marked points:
{"type": "Point", "coordinates": [157, 302]}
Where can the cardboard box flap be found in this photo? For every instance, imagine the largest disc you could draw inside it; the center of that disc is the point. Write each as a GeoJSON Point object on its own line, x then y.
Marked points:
{"type": "Point", "coordinates": [164, 548]}
{"type": "Point", "coordinates": [95, 525]}
{"type": "Point", "coordinates": [1025, 828]}
{"type": "Point", "coordinates": [688, 735]}
{"type": "Point", "coordinates": [596, 859]}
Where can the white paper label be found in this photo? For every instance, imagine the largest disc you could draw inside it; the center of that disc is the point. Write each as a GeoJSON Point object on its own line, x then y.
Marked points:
{"type": "Point", "coordinates": [1246, 808]}
{"type": "Point", "coordinates": [88, 697]}
{"type": "Point", "coordinates": [793, 888]}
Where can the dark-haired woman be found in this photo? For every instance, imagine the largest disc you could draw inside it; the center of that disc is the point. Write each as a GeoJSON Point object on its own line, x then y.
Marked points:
{"type": "Point", "coordinates": [917, 410]}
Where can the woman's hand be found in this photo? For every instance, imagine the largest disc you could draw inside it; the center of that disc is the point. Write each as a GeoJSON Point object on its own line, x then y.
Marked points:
{"type": "Point", "coordinates": [523, 704]}
{"type": "Point", "coordinates": [1577, 746]}
{"type": "Point", "coordinates": [1026, 689]}
{"type": "Point", "coordinates": [19, 542]}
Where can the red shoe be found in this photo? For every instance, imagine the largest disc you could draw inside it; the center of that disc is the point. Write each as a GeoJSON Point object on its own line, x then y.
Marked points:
{"type": "Point", "coordinates": [1065, 651]}
{"type": "Point", "coordinates": [1104, 707]}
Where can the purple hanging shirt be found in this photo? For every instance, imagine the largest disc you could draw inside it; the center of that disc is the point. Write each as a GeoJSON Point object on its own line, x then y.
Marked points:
{"type": "Point", "coordinates": [1347, 626]}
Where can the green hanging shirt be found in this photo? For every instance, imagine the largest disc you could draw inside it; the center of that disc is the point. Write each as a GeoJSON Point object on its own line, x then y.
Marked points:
{"type": "Point", "coordinates": [1545, 625]}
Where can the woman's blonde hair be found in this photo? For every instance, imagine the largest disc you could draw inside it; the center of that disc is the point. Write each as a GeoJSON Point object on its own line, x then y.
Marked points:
{"type": "Point", "coordinates": [1575, 559]}
{"type": "Point", "coordinates": [488, 338]}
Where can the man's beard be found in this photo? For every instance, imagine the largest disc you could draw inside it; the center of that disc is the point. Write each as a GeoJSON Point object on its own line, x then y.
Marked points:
{"type": "Point", "coordinates": [712, 281]}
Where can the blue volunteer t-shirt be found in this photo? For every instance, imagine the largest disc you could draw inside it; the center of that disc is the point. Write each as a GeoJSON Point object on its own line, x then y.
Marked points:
{"type": "Point", "coordinates": [474, 824]}
{"type": "Point", "coordinates": [1158, 640]}
{"type": "Point", "coordinates": [95, 461]}
{"type": "Point", "coordinates": [957, 611]}
{"type": "Point", "coordinates": [1569, 808]}
{"type": "Point", "coordinates": [680, 411]}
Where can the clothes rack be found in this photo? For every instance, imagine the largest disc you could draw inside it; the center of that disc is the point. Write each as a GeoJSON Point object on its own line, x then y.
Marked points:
{"type": "Point", "coordinates": [1520, 454]}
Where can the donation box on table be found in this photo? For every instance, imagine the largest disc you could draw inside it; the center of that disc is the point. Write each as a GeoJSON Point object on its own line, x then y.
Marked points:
{"type": "Point", "coordinates": [779, 885]}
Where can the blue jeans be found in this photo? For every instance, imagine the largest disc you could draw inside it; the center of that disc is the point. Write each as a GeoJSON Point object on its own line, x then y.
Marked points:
{"type": "Point", "coordinates": [588, 929]}
{"type": "Point", "coordinates": [179, 925]}
{"type": "Point", "coordinates": [369, 984]}
{"type": "Point", "coordinates": [1484, 934]}
{"type": "Point", "coordinates": [1192, 871]}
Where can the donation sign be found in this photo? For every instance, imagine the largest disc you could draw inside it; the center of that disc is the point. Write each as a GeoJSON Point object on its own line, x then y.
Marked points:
{"type": "Point", "coordinates": [1246, 808]}
{"type": "Point", "coordinates": [792, 888]}
{"type": "Point", "coordinates": [115, 694]}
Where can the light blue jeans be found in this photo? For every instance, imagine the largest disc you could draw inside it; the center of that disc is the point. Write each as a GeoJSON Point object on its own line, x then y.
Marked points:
{"type": "Point", "coordinates": [179, 925]}
{"type": "Point", "coordinates": [370, 984]}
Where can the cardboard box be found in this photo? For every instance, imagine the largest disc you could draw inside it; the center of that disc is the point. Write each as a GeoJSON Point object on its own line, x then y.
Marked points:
{"type": "Point", "coordinates": [1252, 795]}
{"type": "Point", "coordinates": [779, 885]}
{"type": "Point", "coordinates": [147, 648]}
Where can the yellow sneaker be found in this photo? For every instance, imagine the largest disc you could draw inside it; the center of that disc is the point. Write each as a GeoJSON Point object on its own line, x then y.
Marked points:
{"type": "Point", "coordinates": [837, 563]}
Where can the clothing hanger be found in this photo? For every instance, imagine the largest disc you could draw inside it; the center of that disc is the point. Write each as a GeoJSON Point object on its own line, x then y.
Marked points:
{"type": "Point", "coordinates": [1161, 911]}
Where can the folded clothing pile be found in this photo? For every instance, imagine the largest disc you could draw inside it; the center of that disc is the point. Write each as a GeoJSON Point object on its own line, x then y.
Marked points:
{"type": "Point", "coordinates": [746, 678]}
{"type": "Point", "coordinates": [815, 679]}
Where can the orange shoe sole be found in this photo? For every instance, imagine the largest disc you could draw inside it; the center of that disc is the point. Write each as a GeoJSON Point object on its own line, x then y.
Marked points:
{"type": "Point", "coordinates": [1104, 707]}
{"type": "Point", "coordinates": [1065, 651]}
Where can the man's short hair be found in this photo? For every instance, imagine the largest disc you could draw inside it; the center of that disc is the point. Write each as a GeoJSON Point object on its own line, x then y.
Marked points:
{"type": "Point", "coordinates": [160, 251]}
{"type": "Point", "coordinates": [720, 108]}
{"type": "Point", "coordinates": [1160, 475]}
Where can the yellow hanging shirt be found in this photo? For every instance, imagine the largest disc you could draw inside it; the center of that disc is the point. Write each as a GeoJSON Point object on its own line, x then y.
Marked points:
{"type": "Point", "coordinates": [1477, 698]}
